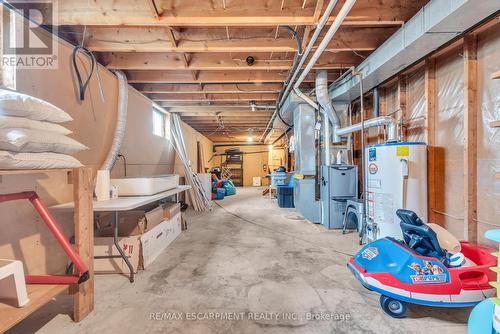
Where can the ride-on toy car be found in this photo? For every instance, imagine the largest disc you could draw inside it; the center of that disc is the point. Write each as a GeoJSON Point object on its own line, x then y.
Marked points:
{"type": "Point", "coordinates": [417, 270]}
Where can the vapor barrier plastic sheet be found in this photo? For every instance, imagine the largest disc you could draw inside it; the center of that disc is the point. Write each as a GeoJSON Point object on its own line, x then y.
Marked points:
{"type": "Point", "coordinates": [488, 145]}
{"type": "Point", "coordinates": [449, 141]}
{"type": "Point", "coordinates": [415, 107]}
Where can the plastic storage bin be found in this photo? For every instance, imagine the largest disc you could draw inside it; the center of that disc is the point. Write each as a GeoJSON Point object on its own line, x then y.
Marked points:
{"type": "Point", "coordinates": [278, 179]}
{"type": "Point", "coordinates": [285, 197]}
{"type": "Point", "coordinates": [220, 193]}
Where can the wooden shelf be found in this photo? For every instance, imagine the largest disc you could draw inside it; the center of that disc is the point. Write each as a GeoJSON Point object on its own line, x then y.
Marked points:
{"type": "Point", "coordinates": [38, 295]}
{"type": "Point", "coordinates": [495, 75]}
{"type": "Point", "coordinates": [83, 294]}
{"type": "Point", "coordinates": [495, 124]}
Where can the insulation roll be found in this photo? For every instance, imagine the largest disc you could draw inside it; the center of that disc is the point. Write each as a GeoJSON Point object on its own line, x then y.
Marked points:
{"type": "Point", "coordinates": [120, 122]}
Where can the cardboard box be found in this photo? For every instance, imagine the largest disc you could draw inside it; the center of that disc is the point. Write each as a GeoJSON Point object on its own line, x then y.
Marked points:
{"type": "Point", "coordinates": [155, 241]}
{"type": "Point", "coordinates": [154, 217]}
{"type": "Point", "coordinates": [142, 249]}
{"type": "Point", "coordinates": [131, 223]}
{"type": "Point", "coordinates": [171, 209]}
{"type": "Point", "coordinates": [104, 246]}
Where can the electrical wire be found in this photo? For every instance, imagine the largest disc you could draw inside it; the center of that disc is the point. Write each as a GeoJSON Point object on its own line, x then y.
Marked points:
{"type": "Point", "coordinates": [293, 236]}
{"type": "Point", "coordinates": [82, 85]}
{"type": "Point", "coordinates": [296, 58]}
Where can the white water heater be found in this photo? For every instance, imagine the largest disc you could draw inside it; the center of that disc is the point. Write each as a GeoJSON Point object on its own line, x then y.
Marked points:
{"type": "Point", "coordinates": [396, 177]}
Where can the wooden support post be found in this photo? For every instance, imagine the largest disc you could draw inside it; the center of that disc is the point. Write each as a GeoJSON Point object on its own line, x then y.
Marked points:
{"type": "Point", "coordinates": [84, 240]}
{"type": "Point", "coordinates": [430, 136]}
{"type": "Point", "coordinates": [402, 106]}
{"type": "Point", "coordinates": [470, 137]}
{"type": "Point", "coordinates": [382, 112]}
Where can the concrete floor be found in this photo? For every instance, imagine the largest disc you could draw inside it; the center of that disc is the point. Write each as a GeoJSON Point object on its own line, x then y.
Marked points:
{"type": "Point", "coordinates": [276, 268]}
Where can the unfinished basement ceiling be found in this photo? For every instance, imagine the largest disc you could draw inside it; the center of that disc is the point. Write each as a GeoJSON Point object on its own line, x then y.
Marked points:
{"type": "Point", "coordinates": [190, 56]}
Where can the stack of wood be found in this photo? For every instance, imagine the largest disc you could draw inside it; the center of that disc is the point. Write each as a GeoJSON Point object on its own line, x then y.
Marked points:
{"type": "Point", "coordinates": [197, 196]}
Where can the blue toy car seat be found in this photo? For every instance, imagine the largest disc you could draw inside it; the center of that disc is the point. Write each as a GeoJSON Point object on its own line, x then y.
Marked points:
{"type": "Point", "coordinates": [419, 236]}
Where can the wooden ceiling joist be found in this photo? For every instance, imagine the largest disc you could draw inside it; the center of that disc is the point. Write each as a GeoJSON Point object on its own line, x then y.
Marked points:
{"type": "Point", "coordinates": [181, 77]}
{"type": "Point", "coordinates": [208, 88]}
{"type": "Point", "coordinates": [218, 61]}
{"type": "Point", "coordinates": [212, 97]}
{"type": "Point", "coordinates": [245, 114]}
{"type": "Point", "coordinates": [226, 118]}
{"type": "Point", "coordinates": [154, 39]}
{"type": "Point", "coordinates": [240, 13]}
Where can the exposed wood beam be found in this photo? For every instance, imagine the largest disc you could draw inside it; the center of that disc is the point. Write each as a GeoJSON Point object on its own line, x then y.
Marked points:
{"type": "Point", "coordinates": [430, 136]}
{"type": "Point", "coordinates": [248, 118]}
{"type": "Point", "coordinates": [470, 137]}
{"type": "Point", "coordinates": [216, 123]}
{"type": "Point", "coordinates": [217, 61]}
{"type": "Point", "coordinates": [204, 13]}
{"type": "Point", "coordinates": [152, 39]}
{"type": "Point", "coordinates": [402, 97]}
{"type": "Point", "coordinates": [207, 105]}
{"type": "Point", "coordinates": [212, 97]}
{"type": "Point", "coordinates": [208, 88]}
{"type": "Point", "coordinates": [307, 30]}
{"type": "Point", "coordinates": [224, 114]}
{"type": "Point", "coordinates": [213, 77]}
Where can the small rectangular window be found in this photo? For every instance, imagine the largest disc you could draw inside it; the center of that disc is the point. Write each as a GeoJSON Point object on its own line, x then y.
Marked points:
{"type": "Point", "coordinates": [159, 122]}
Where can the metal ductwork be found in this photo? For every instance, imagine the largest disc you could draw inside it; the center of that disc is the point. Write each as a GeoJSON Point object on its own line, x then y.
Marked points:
{"type": "Point", "coordinates": [326, 103]}
{"type": "Point", "coordinates": [437, 23]}
{"type": "Point", "coordinates": [388, 121]}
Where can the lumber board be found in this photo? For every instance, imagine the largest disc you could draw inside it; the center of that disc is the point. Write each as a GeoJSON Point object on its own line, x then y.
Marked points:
{"type": "Point", "coordinates": [84, 240]}
{"type": "Point", "coordinates": [470, 137]}
{"type": "Point", "coordinates": [38, 294]}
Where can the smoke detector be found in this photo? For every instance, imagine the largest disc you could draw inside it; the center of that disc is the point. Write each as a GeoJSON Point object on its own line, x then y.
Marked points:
{"type": "Point", "coordinates": [250, 60]}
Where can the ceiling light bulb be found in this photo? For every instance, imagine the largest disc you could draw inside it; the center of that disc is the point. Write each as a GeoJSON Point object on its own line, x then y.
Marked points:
{"type": "Point", "coordinates": [253, 106]}
{"type": "Point", "coordinates": [250, 139]}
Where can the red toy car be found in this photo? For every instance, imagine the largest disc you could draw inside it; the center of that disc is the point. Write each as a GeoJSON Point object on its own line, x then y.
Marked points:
{"type": "Point", "coordinates": [417, 270]}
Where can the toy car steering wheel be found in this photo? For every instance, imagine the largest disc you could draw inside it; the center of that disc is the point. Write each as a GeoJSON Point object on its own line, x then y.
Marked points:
{"type": "Point", "coordinates": [415, 240]}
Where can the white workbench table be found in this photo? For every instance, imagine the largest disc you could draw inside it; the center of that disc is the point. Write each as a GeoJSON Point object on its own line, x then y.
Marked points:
{"type": "Point", "coordinates": [121, 204]}
{"type": "Point", "coordinates": [124, 203]}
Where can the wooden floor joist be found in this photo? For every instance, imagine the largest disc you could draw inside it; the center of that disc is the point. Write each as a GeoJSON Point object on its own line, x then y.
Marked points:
{"type": "Point", "coordinates": [229, 88]}
{"type": "Point", "coordinates": [213, 97]}
{"type": "Point", "coordinates": [178, 77]}
{"type": "Point", "coordinates": [154, 39]}
{"type": "Point", "coordinates": [240, 13]}
{"type": "Point", "coordinates": [219, 61]}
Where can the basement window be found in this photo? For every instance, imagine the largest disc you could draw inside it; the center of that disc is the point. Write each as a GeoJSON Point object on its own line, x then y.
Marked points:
{"type": "Point", "coordinates": [161, 124]}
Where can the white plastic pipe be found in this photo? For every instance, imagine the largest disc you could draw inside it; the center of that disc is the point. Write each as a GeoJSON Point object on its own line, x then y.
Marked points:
{"type": "Point", "coordinates": [388, 121]}
{"type": "Point", "coordinates": [121, 121]}
{"type": "Point", "coordinates": [322, 46]}
{"type": "Point", "coordinates": [322, 22]}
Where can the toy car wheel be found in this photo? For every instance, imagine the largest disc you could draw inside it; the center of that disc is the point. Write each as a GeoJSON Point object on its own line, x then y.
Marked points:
{"type": "Point", "coordinates": [393, 307]}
